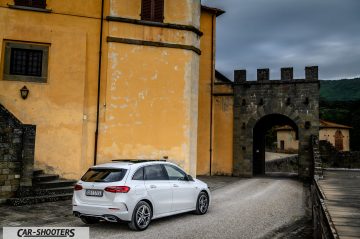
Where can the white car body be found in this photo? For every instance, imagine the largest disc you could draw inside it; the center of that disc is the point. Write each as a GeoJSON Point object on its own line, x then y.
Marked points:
{"type": "Point", "coordinates": [166, 197]}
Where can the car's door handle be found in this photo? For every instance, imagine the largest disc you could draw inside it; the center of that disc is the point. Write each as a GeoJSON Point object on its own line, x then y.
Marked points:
{"type": "Point", "coordinates": [176, 186]}
{"type": "Point", "coordinates": [152, 186]}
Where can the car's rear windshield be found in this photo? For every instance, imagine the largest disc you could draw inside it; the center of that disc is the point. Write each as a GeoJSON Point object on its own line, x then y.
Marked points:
{"type": "Point", "coordinates": [104, 175]}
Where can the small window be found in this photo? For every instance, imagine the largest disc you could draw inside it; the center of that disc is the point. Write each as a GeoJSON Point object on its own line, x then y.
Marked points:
{"type": "Point", "coordinates": [155, 172]}
{"type": "Point", "coordinates": [152, 10]}
{"type": "Point", "coordinates": [26, 62]}
{"type": "Point", "coordinates": [139, 174]}
{"type": "Point", "coordinates": [31, 3]}
{"type": "Point", "coordinates": [104, 175]}
{"type": "Point", "coordinates": [174, 173]}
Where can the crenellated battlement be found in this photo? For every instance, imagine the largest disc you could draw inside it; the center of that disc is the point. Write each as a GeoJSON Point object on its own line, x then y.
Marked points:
{"type": "Point", "coordinates": [287, 74]}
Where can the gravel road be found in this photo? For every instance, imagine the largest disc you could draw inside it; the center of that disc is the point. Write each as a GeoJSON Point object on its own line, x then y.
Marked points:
{"type": "Point", "coordinates": [248, 208]}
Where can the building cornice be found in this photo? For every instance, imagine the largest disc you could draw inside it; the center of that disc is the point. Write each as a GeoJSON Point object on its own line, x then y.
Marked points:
{"type": "Point", "coordinates": [155, 24]}
{"type": "Point", "coordinates": [153, 43]}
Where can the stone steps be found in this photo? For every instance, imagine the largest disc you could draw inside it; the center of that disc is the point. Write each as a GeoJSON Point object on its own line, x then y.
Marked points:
{"type": "Point", "coordinates": [37, 172]}
{"type": "Point", "coordinates": [45, 188]}
{"type": "Point", "coordinates": [38, 199]}
{"type": "Point", "coordinates": [54, 191]}
{"type": "Point", "coordinates": [45, 177]}
{"type": "Point", "coordinates": [54, 184]}
{"type": "Point", "coordinates": [47, 191]}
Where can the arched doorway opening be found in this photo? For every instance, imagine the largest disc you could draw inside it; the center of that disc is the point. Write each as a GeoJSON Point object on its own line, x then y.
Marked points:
{"type": "Point", "coordinates": [339, 140]}
{"type": "Point", "coordinates": [266, 157]}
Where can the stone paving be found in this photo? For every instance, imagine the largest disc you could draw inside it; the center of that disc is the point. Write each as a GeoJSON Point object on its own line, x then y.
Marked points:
{"type": "Point", "coordinates": [263, 207]}
{"type": "Point", "coordinates": [61, 211]}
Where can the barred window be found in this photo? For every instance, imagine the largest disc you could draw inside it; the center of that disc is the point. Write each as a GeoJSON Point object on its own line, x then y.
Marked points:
{"type": "Point", "coordinates": [152, 10]}
{"type": "Point", "coordinates": [31, 3]}
{"type": "Point", "coordinates": [26, 62]}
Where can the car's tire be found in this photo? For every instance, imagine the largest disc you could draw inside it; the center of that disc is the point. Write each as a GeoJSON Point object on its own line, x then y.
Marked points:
{"type": "Point", "coordinates": [202, 203]}
{"type": "Point", "coordinates": [89, 220]}
{"type": "Point", "coordinates": [141, 217]}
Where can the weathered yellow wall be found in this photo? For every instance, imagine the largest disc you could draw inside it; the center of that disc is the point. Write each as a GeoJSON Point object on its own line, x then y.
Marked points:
{"type": "Point", "coordinates": [289, 138]}
{"type": "Point", "coordinates": [329, 135]}
{"type": "Point", "coordinates": [149, 95]}
{"type": "Point", "coordinates": [125, 8]}
{"type": "Point", "coordinates": [223, 136]}
{"type": "Point", "coordinates": [64, 108]}
{"type": "Point", "coordinates": [149, 103]}
{"type": "Point", "coordinates": [206, 75]}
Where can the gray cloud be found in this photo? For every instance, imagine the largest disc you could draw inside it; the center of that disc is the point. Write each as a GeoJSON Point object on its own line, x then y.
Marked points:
{"type": "Point", "coordinates": [279, 33]}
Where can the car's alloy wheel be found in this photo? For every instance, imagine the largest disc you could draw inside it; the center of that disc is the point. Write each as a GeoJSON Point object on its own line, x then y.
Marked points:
{"type": "Point", "coordinates": [141, 216]}
{"type": "Point", "coordinates": [202, 204]}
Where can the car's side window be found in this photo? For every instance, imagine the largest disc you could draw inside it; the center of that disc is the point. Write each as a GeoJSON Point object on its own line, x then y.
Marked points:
{"type": "Point", "coordinates": [155, 172]}
{"type": "Point", "coordinates": [175, 173]}
{"type": "Point", "coordinates": [139, 174]}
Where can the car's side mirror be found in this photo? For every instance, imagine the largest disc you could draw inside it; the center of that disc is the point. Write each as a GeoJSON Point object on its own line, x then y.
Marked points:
{"type": "Point", "coordinates": [189, 177]}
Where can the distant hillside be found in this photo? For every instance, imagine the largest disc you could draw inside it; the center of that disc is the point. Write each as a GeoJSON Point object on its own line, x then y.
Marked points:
{"type": "Point", "coordinates": [340, 90]}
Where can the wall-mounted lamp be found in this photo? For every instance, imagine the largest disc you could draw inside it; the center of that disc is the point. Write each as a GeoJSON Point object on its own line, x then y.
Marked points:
{"type": "Point", "coordinates": [24, 92]}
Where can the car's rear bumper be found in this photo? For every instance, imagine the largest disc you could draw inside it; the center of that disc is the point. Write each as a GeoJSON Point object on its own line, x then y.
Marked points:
{"type": "Point", "coordinates": [109, 213]}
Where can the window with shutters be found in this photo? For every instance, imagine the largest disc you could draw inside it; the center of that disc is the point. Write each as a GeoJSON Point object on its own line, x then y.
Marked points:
{"type": "Point", "coordinates": [31, 3]}
{"type": "Point", "coordinates": [26, 62]}
{"type": "Point", "coordinates": [152, 10]}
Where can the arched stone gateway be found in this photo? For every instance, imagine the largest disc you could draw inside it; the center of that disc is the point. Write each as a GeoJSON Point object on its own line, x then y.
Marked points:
{"type": "Point", "coordinates": [259, 133]}
{"type": "Point", "coordinates": [262, 104]}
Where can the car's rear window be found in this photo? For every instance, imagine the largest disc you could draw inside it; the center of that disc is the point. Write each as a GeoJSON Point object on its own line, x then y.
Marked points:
{"type": "Point", "coordinates": [104, 175]}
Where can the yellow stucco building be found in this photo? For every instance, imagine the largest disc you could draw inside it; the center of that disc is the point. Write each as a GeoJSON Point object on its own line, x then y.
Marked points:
{"type": "Point", "coordinates": [112, 79]}
{"type": "Point", "coordinates": [336, 134]}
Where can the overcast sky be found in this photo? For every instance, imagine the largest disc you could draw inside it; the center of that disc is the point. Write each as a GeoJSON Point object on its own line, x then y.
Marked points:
{"type": "Point", "coordinates": [280, 33]}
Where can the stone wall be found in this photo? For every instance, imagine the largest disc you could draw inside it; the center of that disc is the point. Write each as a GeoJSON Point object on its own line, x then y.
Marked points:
{"type": "Point", "coordinates": [16, 154]}
{"type": "Point", "coordinates": [287, 164]}
{"type": "Point", "coordinates": [288, 101]}
{"type": "Point", "coordinates": [338, 159]}
{"type": "Point", "coordinates": [322, 224]}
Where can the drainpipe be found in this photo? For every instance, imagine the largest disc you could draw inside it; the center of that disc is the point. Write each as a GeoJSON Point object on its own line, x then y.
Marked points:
{"type": "Point", "coordinates": [99, 82]}
{"type": "Point", "coordinates": [211, 91]}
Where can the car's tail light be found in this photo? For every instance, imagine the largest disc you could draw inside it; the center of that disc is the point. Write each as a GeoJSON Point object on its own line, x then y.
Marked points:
{"type": "Point", "coordinates": [78, 187]}
{"type": "Point", "coordinates": [117, 189]}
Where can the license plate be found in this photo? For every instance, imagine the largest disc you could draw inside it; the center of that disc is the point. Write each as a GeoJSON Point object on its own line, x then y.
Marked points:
{"type": "Point", "coordinates": [94, 193]}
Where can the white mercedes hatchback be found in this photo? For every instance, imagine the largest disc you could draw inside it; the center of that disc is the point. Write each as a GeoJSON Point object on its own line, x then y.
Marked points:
{"type": "Point", "coordinates": [137, 192]}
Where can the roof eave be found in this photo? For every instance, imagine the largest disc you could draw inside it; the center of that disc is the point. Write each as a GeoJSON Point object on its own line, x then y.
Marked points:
{"type": "Point", "coordinates": [213, 10]}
